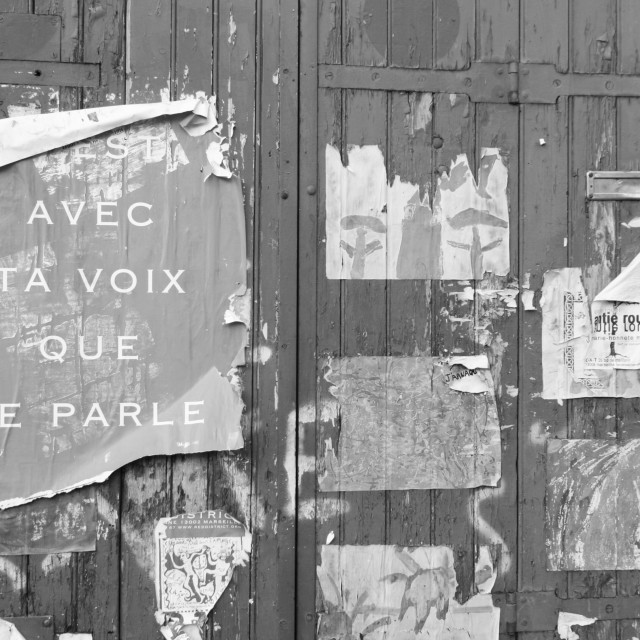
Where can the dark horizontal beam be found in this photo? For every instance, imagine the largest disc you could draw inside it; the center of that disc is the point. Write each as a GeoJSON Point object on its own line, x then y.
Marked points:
{"type": "Point", "coordinates": [491, 82]}
{"type": "Point", "coordinates": [482, 82]}
{"type": "Point", "coordinates": [49, 74]}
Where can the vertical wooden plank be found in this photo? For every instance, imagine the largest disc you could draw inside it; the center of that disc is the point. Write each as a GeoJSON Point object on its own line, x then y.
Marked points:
{"type": "Point", "coordinates": [496, 508]}
{"type": "Point", "coordinates": [365, 32]}
{"type": "Point", "coordinates": [628, 239]}
{"type": "Point", "coordinates": [629, 37]}
{"type": "Point", "coordinates": [329, 29]}
{"type": "Point", "coordinates": [498, 30]}
{"type": "Point", "coordinates": [194, 47]}
{"type": "Point", "coordinates": [545, 29]}
{"type": "Point", "coordinates": [146, 484]}
{"type": "Point", "coordinates": [98, 607]}
{"type": "Point", "coordinates": [543, 235]}
{"type": "Point", "coordinates": [452, 510]}
{"type": "Point", "coordinates": [231, 485]}
{"type": "Point", "coordinates": [363, 321]}
{"type": "Point", "coordinates": [274, 437]}
{"type": "Point", "coordinates": [594, 44]}
{"type": "Point", "coordinates": [13, 586]}
{"type": "Point", "coordinates": [105, 43]}
{"type": "Point", "coordinates": [309, 269]}
{"type": "Point", "coordinates": [50, 581]}
{"type": "Point", "coordinates": [592, 246]}
{"type": "Point", "coordinates": [454, 29]}
{"type": "Point", "coordinates": [412, 33]}
{"type": "Point", "coordinates": [409, 301]}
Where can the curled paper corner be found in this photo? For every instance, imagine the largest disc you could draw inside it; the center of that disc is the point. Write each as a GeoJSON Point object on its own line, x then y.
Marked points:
{"type": "Point", "coordinates": [330, 537]}
{"type": "Point", "coordinates": [567, 620]}
{"type": "Point", "coordinates": [239, 307]}
{"type": "Point", "coordinates": [196, 555]}
{"type": "Point", "coordinates": [527, 300]}
{"type": "Point", "coordinates": [8, 631]}
{"type": "Point", "coordinates": [203, 116]}
{"type": "Point", "coordinates": [470, 362]}
{"type": "Point", "coordinates": [27, 136]}
{"type": "Point", "coordinates": [624, 288]}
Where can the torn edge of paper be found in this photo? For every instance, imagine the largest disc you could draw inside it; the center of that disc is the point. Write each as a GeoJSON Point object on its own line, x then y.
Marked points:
{"type": "Point", "coordinates": [239, 311]}
{"type": "Point", "coordinates": [567, 620]}
{"type": "Point", "coordinates": [8, 631]}
{"type": "Point", "coordinates": [624, 288]}
{"type": "Point", "coordinates": [28, 136]}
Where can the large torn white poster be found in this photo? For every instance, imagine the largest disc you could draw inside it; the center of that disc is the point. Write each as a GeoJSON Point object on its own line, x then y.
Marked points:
{"type": "Point", "coordinates": [385, 592]}
{"type": "Point", "coordinates": [386, 230]}
{"type": "Point", "coordinates": [118, 257]}
{"type": "Point", "coordinates": [413, 423]}
{"type": "Point", "coordinates": [568, 351]}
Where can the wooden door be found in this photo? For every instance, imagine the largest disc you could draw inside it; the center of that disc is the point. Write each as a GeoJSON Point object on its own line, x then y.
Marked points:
{"type": "Point", "coordinates": [547, 83]}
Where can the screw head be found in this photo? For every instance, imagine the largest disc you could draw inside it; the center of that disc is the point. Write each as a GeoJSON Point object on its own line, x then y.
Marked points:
{"type": "Point", "coordinates": [437, 142]}
{"type": "Point", "coordinates": [311, 189]}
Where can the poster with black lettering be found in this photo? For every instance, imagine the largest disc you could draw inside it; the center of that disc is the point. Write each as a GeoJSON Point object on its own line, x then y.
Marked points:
{"type": "Point", "coordinates": [123, 299]}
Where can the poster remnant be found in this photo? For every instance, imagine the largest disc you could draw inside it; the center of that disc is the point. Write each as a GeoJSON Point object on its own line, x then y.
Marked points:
{"type": "Point", "coordinates": [196, 554]}
{"type": "Point", "coordinates": [63, 524]}
{"type": "Point", "coordinates": [615, 312]}
{"type": "Point", "coordinates": [592, 486]}
{"type": "Point", "coordinates": [385, 592]}
{"type": "Point", "coordinates": [8, 631]}
{"type": "Point", "coordinates": [567, 355]}
{"type": "Point", "coordinates": [413, 423]}
{"type": "Point", "coordinates": [386, 230]}
{"type": "Point", "coordinates": [567, 620]}
{"type": "Point", "coordinates": [118, 261]}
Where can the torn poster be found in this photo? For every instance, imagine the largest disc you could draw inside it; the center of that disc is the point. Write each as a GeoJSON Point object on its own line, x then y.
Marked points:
{"type": "Point", "coordinates": [413, 423]}
{"type": "Point", "coordinates": [592, 486]}
{"type": "Point", "coordinates": [385, 592]}
{"type": "Point", "coordinates": [566, 343]}
{"type": "Point", "coordinates": [196, 554]}
{"type": "Point", "coordinates": [567, 620]}
{"type": "Point", "coordinates": [118, 262]}
{"type": "Point", "coordinates": [8, 631]}
{"type": "Point", "coordinates": [61, 524]}
{"type": "Point", "coordinates": [615, 312]}
{"type": "Point", "coordinates": [381, 230]}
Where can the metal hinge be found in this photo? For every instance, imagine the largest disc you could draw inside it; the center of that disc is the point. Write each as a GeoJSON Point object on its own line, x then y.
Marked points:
{"type": "Point", "coordinates": [538, 610]}
{"type": "Point", "coordinates": [489, 82]}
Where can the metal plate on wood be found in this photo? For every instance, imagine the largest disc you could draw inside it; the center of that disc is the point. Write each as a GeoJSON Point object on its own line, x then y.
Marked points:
{"type": "Point", "coordinates": [25, 36]}
{"type": "Point", "coordinates": [613, 185]}
{"type": "Point", "coordinates": [49, 74]}
{"type": "Point", "coordinates": [34, 628]}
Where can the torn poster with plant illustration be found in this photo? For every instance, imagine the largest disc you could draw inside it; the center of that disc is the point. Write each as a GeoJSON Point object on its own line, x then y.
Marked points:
{"type": "Point", "coordinates": [385, 592]}
{"type": "Point", "coordinates": [413, 423]}
{"type": "Point", "coordinates": [196, 554]}
{"type": "Point", "coordinates": [386, 230]}
{"type": "Point", "coordinates": [593, 487]}
{"type": "Point", "coordinates": [119, 256]}
{"type": "Point", "coordinates": [572, 362]}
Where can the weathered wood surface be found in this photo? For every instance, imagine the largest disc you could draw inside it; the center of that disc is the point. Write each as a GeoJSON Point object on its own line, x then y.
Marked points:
{"type": "Point", "coordinates": [246, 52]}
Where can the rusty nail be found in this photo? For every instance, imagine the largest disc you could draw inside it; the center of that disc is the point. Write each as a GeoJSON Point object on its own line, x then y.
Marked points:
{"type": "Point", "coordinates": [329, 74]}
{"type": "Point", "coordinates": [437, 142]}
{"type": "Point", "coordinates": [89, 75]}
{"type": "Point", "coordinates": [513, 97]}
{"type": "Point", "coordinates": [467, 82]}
{"type": "Point", "coordinates": [54, 55]}
{"type": "Point", "coordinates": [500, 71]}
{"type": "Point", "coordinates": [284, 195]}
{"type": "Point", "coordinates": [500, 93]}
{"type": "Point", "coordinates": [375, 76]}
{"type": "Point", "coordinates": [47, 622]}
{"type": "Point", "coordinates": [609, 85]}
{"type": "Point", "coordinates": [311, 189]}
{"type": "Point", "coordinates": [609, 608]}
{"type": "Point", "coordinates": [557, 82]}
{"type": "Point", "coordinates": [309, 617]}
